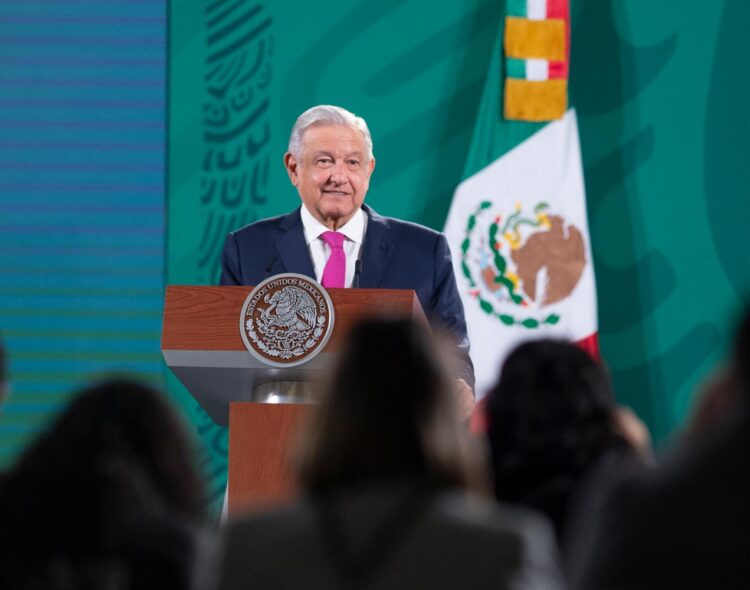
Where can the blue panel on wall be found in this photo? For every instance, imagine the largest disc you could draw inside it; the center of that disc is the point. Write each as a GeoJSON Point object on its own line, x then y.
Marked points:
{"type": "Point", "coordinates": [82, 116]}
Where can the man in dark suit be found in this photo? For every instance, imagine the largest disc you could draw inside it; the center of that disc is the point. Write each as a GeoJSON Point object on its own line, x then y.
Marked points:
{"type": "Point", "coordinates": [336, 239]}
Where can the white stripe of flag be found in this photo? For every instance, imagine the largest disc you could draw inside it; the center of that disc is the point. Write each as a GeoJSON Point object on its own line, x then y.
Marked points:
{"type": "Point", "coordinates": [537, 69]}
{"type": "Point", "coordinates": [536, 9]}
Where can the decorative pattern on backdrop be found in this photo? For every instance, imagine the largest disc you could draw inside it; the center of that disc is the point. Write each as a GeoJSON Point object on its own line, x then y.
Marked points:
{"type": "Point", "coordinates": [236, 125]}
{"type": "Point", "coordinates": [235, 129]}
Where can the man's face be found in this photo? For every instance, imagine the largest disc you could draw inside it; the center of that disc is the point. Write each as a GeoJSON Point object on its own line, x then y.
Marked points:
{"type": "Point", "coordinates": [333, 175]}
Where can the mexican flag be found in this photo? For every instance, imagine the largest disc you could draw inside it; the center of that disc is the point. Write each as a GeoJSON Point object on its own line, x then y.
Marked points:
{"type": "Point", "coordinates": [517, 225]}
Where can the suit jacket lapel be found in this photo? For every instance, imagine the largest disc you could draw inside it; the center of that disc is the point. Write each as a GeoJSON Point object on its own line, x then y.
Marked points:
{"type": "Point", "coordinates": [291, 246]}
{"type": "Point", "coordinates": [376, 251]}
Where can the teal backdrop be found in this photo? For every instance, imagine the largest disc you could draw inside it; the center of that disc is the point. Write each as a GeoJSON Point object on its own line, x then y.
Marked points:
{"type": "Point", "coordinates": [663, 123]}
{"type": "Point", "coordinates": [82, 201]}
{"type": "Point", "coordinates": [95, 218]}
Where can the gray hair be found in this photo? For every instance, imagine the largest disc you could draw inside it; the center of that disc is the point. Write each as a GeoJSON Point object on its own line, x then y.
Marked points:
{"type": "Point", "coordinates": [325, 114]}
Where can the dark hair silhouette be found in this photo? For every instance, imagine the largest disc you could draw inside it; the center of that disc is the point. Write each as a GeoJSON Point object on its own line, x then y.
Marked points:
{"type": "Point", "coordinates": [726, 391]}
{"type": "Point", "coordinates": [550, 418]}
{"type": "Point", "coordinates": [124, 422]}
{"type": "Point", "coordinates": [389, 414]}
{"type": "Point", "coordinates": [105, 498]}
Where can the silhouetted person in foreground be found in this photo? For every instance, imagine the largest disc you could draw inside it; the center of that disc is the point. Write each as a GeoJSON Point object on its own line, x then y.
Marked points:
{"type": "Point", "coordinates": [685, 525]}
{"type": "Point", "coordinates": [108, 498]}
{"type": "Point", "coordinates": [556, 433]}
{"type": "Point", "coordinates": [717, 400]}
{"type": "Point", "coordinates": [386, 479]}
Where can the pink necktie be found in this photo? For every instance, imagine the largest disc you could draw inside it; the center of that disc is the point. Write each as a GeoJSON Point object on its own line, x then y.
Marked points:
{"type": "Point", "coordinates": [335, 270]}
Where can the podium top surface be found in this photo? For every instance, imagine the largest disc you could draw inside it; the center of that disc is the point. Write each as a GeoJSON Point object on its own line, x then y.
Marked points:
{"type": "Point", "coordinates": [207, 318]}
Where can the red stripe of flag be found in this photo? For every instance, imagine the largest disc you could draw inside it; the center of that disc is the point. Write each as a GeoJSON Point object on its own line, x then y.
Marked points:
{"type": "Point", "coordinates": [558, 9]}
{"type": "Point", "coordinates": [591, 345]}
{"type": "Point", "coordinates": [561, 9]}
{"type": "Point", "coordinates": [558, 70]}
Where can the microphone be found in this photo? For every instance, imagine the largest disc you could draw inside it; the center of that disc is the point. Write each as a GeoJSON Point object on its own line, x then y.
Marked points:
{"type": "Point", "coordinates": [269, 266]}
{"type": "Point", "coordinates": [357, 272]}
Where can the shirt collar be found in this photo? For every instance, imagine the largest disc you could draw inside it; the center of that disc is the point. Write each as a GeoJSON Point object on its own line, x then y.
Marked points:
{"type": "Point", "coordinates": [354, 229]}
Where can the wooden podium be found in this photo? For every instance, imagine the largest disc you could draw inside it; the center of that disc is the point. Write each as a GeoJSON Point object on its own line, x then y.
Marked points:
{"type": "Point", "coordinates": [201, 344]}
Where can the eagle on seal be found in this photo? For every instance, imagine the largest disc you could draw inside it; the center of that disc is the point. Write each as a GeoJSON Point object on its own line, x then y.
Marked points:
{"type": "Point", "coordinates": [290, 308]}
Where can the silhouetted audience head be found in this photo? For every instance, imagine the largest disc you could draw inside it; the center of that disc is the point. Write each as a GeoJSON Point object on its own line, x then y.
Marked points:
{"type": "Point", "coordinates": [551, 415]}
{"type": "Point", "coordinates": [717, 400]}
{"type": "Point", "coordinates": [741, 356]}
{"type": "Point", "coordinates": [684, 525]}
{"type": "Point", "coordinates": [726, 390]}
{"type": "Point", "coordinates": [386, 472]}
{"type": "Point", "coordinates": [389, 414]}
{"type": "Point", "coordinates": [105, 498]}
{"type": "Point", "coordinates": [125, 423]}
{"type": "Point", "coordinates": [739, 368]}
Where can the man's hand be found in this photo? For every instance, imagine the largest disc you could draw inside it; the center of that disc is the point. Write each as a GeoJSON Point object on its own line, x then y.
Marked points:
{"type": "Point", "coordinates": [465, 399]}
{"type": "Point", "coordinates": [633, 430]}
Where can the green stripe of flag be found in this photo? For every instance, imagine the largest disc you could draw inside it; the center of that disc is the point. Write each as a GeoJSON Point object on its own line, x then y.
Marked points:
{"type": "Point", "coordinates": [516, 8]}
{"type": "Point", "coordinates": [515, 68]}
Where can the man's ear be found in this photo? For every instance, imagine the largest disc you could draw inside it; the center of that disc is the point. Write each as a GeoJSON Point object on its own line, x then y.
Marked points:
{"type": "Point", "coordinates": [290, 163]}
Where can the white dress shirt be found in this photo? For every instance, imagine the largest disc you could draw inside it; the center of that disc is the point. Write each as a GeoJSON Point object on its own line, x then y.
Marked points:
{"type": "Point", "coordinates": [354, 234]}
